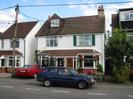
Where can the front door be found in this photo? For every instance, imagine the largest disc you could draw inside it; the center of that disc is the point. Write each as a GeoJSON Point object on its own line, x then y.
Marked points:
{"type": "Point", "coordinates": [70, 62]}
{"type": "Point", "coordinates": [3, 62]}
{"type": "Point", "coordinates": [61, 62]}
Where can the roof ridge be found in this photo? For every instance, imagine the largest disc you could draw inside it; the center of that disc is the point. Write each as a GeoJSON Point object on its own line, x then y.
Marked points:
{"type": "Point", "coordinates": [80, 17]}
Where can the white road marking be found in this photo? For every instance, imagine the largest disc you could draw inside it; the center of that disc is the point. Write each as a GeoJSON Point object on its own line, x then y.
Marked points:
{"type": "Point", "coordinates": [129, 87]}
{"type": "Point", "coordinates": [131, 96]}
{"type": "Point", "coordinates": [7, 86]}
{"type": "Point", "coordinates": [32, 89]}
{"type": "Point", "coordinates": [61, 91]}
{"type": "Point", "coordinates": [97, 94]}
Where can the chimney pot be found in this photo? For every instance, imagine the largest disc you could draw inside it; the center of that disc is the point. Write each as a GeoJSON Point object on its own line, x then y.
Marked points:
{"type": "Point", "coordinates": [100, 11]}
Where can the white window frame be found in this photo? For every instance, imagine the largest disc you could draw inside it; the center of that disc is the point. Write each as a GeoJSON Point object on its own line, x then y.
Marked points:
{"type": "Point", "coordinates": [84, 40]}
{"type": "Point", "coordinates": [88, 60]}
{"type": "Point", "coordinates": [17, 60]}
{"type": "Point", "coordinates": [55, 23]}
{"type": "Point", "coordinates": [52, 41]}
{"type": "Point", "coordinates": [126, 15]}
{"type": "Point", "coordinates": [17, 43]}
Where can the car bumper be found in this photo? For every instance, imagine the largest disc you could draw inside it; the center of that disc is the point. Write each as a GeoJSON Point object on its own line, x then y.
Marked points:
{"type": "Point", "coordinates": [92, 82]}
{"type": "Point", "coordinates": [40, 79]}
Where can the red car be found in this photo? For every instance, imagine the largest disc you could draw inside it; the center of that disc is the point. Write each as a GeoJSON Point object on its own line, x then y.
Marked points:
{"type": "Point", "coordinates": [27, 71]}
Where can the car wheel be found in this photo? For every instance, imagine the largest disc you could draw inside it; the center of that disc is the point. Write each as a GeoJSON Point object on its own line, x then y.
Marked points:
{"type": "Point", "coordinates": [47, 83]}
{"type": "Point", "coordinates": [82, 85]}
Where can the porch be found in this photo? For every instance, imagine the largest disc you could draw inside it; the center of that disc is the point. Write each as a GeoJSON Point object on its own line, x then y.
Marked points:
{"type": "Point", "coordinates": [75, 58]}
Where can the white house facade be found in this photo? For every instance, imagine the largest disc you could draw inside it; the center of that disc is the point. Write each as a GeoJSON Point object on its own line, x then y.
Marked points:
{"type": "Point", "coordinates": [25, 45]}
{"type": "Point", "coordinates": [76, 42]}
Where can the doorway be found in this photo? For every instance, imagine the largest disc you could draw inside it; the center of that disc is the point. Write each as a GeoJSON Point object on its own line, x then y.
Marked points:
{"type": "Point", "coordinates": [61, 62]}
{"type": "Point", "coordinates": [70, 62]}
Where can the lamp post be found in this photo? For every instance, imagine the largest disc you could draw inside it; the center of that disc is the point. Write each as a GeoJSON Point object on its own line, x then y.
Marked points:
{"type": "Point", "coordinates": [15, 33]}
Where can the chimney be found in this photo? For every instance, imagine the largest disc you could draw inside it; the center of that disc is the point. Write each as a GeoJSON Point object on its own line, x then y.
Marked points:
{"type": "Point", "coordinates": [49, 17]}
{"type": "Point", "coordinates": [100, 11]}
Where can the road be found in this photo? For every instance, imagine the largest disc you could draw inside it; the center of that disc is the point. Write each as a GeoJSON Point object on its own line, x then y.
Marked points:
{"type": "Point", "coordinates": [16, 88]}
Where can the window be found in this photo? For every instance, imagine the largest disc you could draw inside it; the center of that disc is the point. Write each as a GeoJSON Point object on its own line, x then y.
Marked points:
{"type": "Point", "coordinates": [45, 61]}
{"type": "Point", "coordinates": [55, 23]}
{"type": "Point", "coordinates": [52, 41]}
{"type": "Point", "coordinates": [126, 15]}
{"type": "Point", "coordinates": [17, 61]}
{"type": "Point", "coordinates": [64, 72]}
{"type": "Point", "coordinates": [88, 61]}
{"type": "Point", "coordinates": [84, 40]}
{"type": "Point", "coordinates": [2, 43]}
{"type": "Point", "coordinates": [3, 62]}
{"type": "Point", "coordinates": [16, 43]}
{"type": "Point", "coordinates": [11, 59]}
{"type": "Point", "coordinates": [27, 66]}
{"type": "Point", "coordinates": [52, 70]}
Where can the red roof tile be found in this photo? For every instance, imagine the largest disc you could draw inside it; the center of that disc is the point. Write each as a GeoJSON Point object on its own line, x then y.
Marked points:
{"type": "Point", "coordinates": [22, 30]}
{"type": "Point", "coordinates": [9, 52]}
{"type": "Point", "coordinates": [73, 25]}
{"type": "Point", "coordinates": [67, 52]}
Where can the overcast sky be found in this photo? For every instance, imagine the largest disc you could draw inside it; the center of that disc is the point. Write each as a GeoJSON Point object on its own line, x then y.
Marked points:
{"type": "Point", "coordinates": [7, 16]}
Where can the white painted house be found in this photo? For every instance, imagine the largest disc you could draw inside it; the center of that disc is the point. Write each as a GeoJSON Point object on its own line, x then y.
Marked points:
{"type": "Point", "coordinates": [72, 42]}
{"type": "Point", "coordinates": [25, 44]}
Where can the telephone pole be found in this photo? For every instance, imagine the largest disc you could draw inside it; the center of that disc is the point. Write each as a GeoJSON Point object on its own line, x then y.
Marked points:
{"type": "Point", "coordinates": [15, 33]}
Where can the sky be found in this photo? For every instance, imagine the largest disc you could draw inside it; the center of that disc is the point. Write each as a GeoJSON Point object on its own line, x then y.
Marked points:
{"type": "Point", "coordinates": [7, 16]}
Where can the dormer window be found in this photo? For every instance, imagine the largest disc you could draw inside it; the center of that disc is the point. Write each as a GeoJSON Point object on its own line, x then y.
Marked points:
{"type": "Point", "coordinates": [55, 23]}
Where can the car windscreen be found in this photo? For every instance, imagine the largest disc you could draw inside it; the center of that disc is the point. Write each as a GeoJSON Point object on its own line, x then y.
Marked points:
{"type": "Point", "coordinates": [74, 71]}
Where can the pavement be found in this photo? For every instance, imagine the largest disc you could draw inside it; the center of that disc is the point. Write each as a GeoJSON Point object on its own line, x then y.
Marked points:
{"type": "Point", "coordinates": [4, 75]}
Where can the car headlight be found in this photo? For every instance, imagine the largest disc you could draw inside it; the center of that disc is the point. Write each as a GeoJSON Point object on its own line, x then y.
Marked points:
{"type": "Point", "coordinates": [92, 80]}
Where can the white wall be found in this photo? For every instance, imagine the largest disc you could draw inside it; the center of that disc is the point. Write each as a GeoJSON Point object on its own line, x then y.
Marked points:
{"type": "Point", "coordinates": [27, 46]}
{"type": "Point", "coordinates": [66, 42]}
{"type": "Point", "coordinates": [20, 49]}
{"type": "Point", "coordinates": [31, 45]}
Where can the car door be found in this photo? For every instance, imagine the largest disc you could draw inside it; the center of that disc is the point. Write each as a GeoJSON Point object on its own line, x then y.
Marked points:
{"type": "Point", "coordinates": [52, 74]}
{"type": "Point", "coordinates": [65, 77]}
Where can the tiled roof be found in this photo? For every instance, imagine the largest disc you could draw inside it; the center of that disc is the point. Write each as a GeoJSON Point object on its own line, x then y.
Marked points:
{"type": "Point", "coordinates": [22, 30]}
{"type": "Point", "coordinates": [73, 25]}
{"type": "Point", "coordinates": [9, 52]}
{"type": "Point", "coordinates": [73, 52]}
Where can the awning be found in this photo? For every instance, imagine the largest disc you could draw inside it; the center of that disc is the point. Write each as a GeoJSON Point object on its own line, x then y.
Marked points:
{"type": "Point", "coordinates": [73, 52]}
{"type": "Point", "coordinates": [2, 57]}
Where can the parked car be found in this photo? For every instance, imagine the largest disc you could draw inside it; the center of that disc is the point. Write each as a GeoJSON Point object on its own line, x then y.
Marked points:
{"type": "Point", "coordinates": [64, 76]}
{"type": "Point", "coordinates": [27, 71]}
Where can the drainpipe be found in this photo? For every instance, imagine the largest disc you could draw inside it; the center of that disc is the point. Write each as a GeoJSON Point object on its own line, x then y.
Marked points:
{"type": "Point", "coordinates": [24, 49]}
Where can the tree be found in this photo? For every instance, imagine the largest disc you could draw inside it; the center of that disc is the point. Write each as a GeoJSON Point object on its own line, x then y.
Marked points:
{"type": "Point", "coordinates": [119, 50]}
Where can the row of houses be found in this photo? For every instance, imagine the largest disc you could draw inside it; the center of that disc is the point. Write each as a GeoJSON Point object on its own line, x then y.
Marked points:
{"type": "Point", "coordinates": [76, 42]}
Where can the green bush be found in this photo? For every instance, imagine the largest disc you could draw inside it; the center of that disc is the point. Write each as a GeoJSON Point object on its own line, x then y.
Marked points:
{"type": "Point", "coordinates": [100, 68]}
{"type": "Point", "coordinates": [79, 70]}
{"type": "Point", "coordinates": [121, 74]}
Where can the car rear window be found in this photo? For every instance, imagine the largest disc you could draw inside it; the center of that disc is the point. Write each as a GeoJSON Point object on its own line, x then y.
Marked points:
{"type": "Point", "coordinates": [26, 66]}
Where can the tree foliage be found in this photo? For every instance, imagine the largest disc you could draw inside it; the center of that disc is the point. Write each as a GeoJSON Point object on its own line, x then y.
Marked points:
{"type": "Point", "coordinates": [119, 50]}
